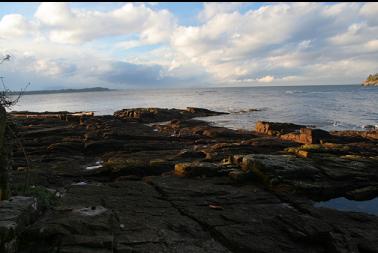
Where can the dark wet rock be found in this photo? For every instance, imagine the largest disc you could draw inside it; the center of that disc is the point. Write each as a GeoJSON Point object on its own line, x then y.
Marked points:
{"type": "Point", "coordinates": [66, 147]}
{"type": "Point", "coordinates": [102, 146]}
{"type": "Point", "coordinates": [320, 180]}
{"type": "Point", "coordinates": [253, 220]}
{"type": "Point", "coordinates": [191, 154]}
{"type": "Point", "coordinates": [364, 193]}
{"type": "Point", "coordinates": [15, 215]}
{"type": "Point", "coordinates": [196, 169]}
{"type": "Point", "coordinates": [240, 176]}
{"type": "Point", "coordinates": [140, 221]}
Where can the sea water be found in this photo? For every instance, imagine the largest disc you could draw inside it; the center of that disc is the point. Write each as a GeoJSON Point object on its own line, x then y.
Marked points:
{"type": "Point", "coordinates": [336, 107]}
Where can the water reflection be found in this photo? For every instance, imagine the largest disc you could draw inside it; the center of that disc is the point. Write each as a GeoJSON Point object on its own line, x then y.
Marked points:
{"type": "Point", "coordinates": [343, 204]}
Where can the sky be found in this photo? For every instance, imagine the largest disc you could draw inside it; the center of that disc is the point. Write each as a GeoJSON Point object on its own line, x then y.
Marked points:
{"type": "Point", "coordinates": [160, 45]}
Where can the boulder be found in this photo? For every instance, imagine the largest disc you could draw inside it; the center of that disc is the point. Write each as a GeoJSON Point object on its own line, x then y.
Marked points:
{"type": "Point", "coordinates": [275, 128]}
{"type": "Point", "coordinates": [150, 115]}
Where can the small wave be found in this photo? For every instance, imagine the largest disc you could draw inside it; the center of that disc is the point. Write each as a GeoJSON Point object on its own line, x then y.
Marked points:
{"type": "Point", "coordinates": [205, 91]}
{"type": "Point", "coordinates": [369, 127]}
{"type": "Point", "coordinates": [336, 123]}
{"type": "Point", "coordinates": [245, 110]}
{"type": "Point", "coordinates": [293, 91]}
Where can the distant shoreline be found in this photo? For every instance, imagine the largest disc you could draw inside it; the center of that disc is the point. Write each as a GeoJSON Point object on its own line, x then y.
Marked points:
{"type": "Point", "coordinates": [100, 89]}
{"type": "Point", "coordinates": [60, 91]}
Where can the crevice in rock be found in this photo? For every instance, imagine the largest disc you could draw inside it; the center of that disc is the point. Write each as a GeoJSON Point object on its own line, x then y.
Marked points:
{"type": "Point", "coordinates": [214, 234]}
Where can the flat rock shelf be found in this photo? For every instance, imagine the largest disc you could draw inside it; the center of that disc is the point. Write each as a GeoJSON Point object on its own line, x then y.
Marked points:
{"type": "Point", "coordinates": [126, 183]}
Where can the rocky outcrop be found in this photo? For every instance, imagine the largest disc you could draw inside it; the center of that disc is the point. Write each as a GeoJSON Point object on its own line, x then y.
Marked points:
{"type": "Point", "coordinates": [372, 80]}
{"type": "Point", "coordinates": [306, 135]}
{"type": "Point", "coordinates": [150, 115]}
{"type": "Point", "coordinates": [329, 178]}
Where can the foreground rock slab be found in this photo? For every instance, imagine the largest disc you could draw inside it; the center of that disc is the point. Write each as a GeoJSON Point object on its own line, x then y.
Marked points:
{"type": "Point", "coordinates": [137, 218]}
{"type": "Point", "coordinates": [15, 215]}
{"type": "Point", "coordinates": [187, 186]}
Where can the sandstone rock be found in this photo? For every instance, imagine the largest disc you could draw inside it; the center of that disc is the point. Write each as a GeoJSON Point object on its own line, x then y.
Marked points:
{"type": "Point", "coordinates": [356, 135]}
{"type": "Point", "coordinates": [274, 128]}
{"type": "Point", "coordinates": [307, 136]}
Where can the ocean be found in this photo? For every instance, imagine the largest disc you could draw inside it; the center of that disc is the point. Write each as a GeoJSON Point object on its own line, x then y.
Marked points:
{"type": "Point", "coordinates": [329, 107]}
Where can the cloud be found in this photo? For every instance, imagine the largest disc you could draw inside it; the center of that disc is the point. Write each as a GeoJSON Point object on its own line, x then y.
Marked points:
{"type": "Point", "coordinates": [54, 67]}
{"type": "Point", "coordinates": [266, 79]}
{"type": "Point", "coordinates": [14, 25]}
{"type": "Point", "coordinates": [211, 9]}
{"type": "Point", "coordinates": [66, 25]}
{"type": "Point", "coordinates": [369, 11]}
{"type": "Point", "coordinates": [280, 40]}
{"type": "Point", "coordinates": [144, 45]}
{"type": "Point", "coordinates": [133, 74]}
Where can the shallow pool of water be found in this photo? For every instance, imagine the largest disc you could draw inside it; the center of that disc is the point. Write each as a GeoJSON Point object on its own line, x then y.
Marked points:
{"type": "Point", "coordinates": [343, 204]}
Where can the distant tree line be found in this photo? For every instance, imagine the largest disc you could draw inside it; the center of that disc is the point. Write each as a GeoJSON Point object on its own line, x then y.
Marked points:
{"type": "Point", "coordinates": [372, 78]}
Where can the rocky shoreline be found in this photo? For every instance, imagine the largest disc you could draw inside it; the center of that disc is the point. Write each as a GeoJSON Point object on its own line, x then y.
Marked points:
{"type": "Point", "coordinates": [370, 83]}
{"type": "Point", "coordinates": [127, 183]}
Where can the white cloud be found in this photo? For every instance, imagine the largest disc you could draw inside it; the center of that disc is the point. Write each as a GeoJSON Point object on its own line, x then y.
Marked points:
{"type": "Point", "coordinates": [266, 79]}
{"type": "Point", "coordinates": [278, 40]}
{"type": "Point", "coordinates": [276, 43]}
{"type": "Point", "coordinates": [369, 11]}
{"type": "Point", "coordinates": [211, 9]}
{"type": "Point", "coordinates": [14, 25]}
{"type": "Point", "coordinates": [68, 25]}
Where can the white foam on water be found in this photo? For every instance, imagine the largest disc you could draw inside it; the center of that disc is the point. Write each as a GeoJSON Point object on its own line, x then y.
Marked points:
{"type": "Point", "coordinates": [344, 204]}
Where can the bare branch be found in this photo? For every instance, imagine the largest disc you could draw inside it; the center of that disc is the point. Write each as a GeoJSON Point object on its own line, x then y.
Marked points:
{"type": "Point", "coordinates": [5, 58]}
{"type": "Point", "coordinates": [6, 99]}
